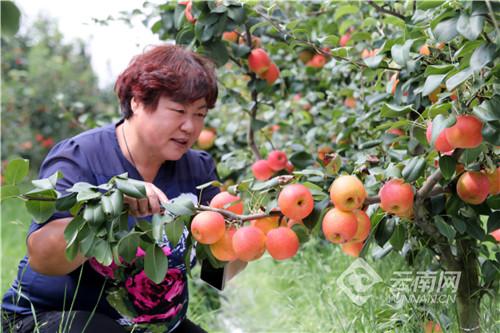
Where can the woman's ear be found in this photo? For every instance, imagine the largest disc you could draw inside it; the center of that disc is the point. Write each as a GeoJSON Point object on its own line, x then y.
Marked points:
{"type": "Point", "coordinates": [133, 105]}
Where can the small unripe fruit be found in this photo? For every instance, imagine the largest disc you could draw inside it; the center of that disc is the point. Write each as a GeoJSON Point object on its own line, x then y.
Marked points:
{"type": "Point", "coordinates": [345, 39]}
{"type": "Point", "coordinates": [249, 243]}
{"type": "Point", "coordinates": [350, 102]}
{"type": "Point", "coordinates": [396, 197]}
{"type": "Point", "coordinates": [317, 61]}
{"type": "Point", "coordinates": [339, 226]}
{"type": "Point", "coordinates": [296, 201]}
{"type": "Point", "coordinates": [347, 193]}
{"type": "Point", "coordinates": [223, 248]}
{"type": "Point", "coordinates": [396, 131]}
{"type": "Point", "coordinates": [187, 12]}
{"type": "Point", "coordinates": [206, 139]}
{"type": "Point", "coordinates": [441, 144]}
{"type": "Point", "coordinates": [259, 61]}
{"type": "Point", "coordinates": [208, 227]}
{"type": "Point", "coordinates": [282, 243]}
{"type": "Point", "coordinates": [261, 170]}
{"type": "Point", "coordinates": [432, 327]}
{"type": "Point", "coordinates": [352, 249]}
{"type": "Point", "coordinates": [473, 187]}
{"type": "Point", "coordinates": [394, 81]}
{"type": "Point", "coordinates": [224, 199]}
{"type": "Point", "coordinates": [305, 56]}
{"type": "Point", "coordinates": [466, 133]}
{"type": "Point", "coordinates": [424, 50]}
{"type": "Point", "coordinates": [230, 36]}
{"type": "Point", "coordinates": [277, 160]}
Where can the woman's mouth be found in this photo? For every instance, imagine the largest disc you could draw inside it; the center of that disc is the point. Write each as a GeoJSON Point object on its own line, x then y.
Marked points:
{"type": "Point", "coordinates": [181, 142]}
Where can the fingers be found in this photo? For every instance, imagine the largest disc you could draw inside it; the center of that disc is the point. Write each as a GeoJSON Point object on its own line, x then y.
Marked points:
{"type": "Point", "coordinates": [147, 206]}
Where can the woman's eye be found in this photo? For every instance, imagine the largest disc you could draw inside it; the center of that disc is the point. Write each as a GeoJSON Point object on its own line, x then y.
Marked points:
{"type": "Point", "coordinates": [202, 115]}
{"type": "Point", "coordinates": [178, 111]}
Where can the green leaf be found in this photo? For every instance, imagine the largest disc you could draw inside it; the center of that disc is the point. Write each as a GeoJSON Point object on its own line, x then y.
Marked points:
{"type": "Point", "coordinates": [446, 30]}
{"type": "Point", "coordinates": [488, 110]}
{"type": "Point", "coordinates": [11, 17]}
{"type": "Point", "coordinates": [459, 224]}
{"type": "Point", "coordinates": [174, 231]}
{"type": "Point", "coordinates": [9, 191]}
{"type": "Point", "coordinates": [482, 56]}
{"type": "Point", "coordinates": [432, 83]}
{"type": "Point", "coordinates": [458, 78]}
{"type": "Point", "coordinates": [493, 201]}
{"type": "Point", "coordinates": [414, 169]}
{"type": "Point", "coordinates": [155, 264]}
{"type": "Point", "coordinates": [491, 132]}
{"type": "Point", "coordinates": [345, 10]}
{"type": "Point", "coordinates": [65, 203]}
{"type": "Point", "coordinates": [470, 27]}
{"type": "Point", "coordinates": [384, 230]}
{"type": "Point", "coordinates": [428, 4]}
{"type": "Point", "coordinates": [40, 210]}
{"type": "Point", "coordinates": [438, 108]}
{"type": "Point", "coordinates": [182, 205]}
{"type": "Point", "coordinates": [17, 169]}
{"type": "Point", "coordinates": [493, 221]}
{"type": "Point", "coordinates": [88, 195]}
{"type": "Point", "coordinates": [102, 252]}
{"type": "Point", "coordinates": [391, 111]}
{"type": "Point", "coordinates": [438, 69]}
{"type": "Point", "coordinates": [444, 228]}
{"type": "Point", "coordinates": [447, 166]}
{"type": "Point", "coordinates": [47, 183]}
{"type": "Point", "coordinates": [127, 246]}
{"type": "Point", "coordinates": [302, 233]}
{"type": "Point", "coordinates": [134, 189]}
{"type": "Point", "coordinates": [401, 53]}
{"type": "Point", "coordinates": [301, 159]}
{"type": "Point", "coordinates": [470, 155]}
{"type": "Point", "coordinates": [217, 51]}
{"type": "Point", "coordinates": [439, 124]}
{"type": "Point", "coordinates": [490, 271]}
{"type": "Point", "coordinates": [374, 61]}
{"type": "Point", "coordinates": [157, 225]}
{"type": "Point", "coordinates": [237, 14]}
{"type": "Point", "coordinates": [398, 237]}
{"type": "Point", "coordinates": [474, 230]}
{"type": "Point", "coordinates": [72, 229]}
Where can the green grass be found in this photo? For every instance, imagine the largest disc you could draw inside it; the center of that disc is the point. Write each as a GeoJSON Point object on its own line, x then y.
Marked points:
{"type": "Point", "coordinates": [15, 223]}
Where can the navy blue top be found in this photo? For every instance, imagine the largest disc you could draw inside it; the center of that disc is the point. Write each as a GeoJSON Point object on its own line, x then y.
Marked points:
{"type": "Point", "coordinates": [95, 157]}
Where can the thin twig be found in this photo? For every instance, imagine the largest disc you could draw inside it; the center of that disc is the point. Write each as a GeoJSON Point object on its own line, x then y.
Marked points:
{"type": "Point", "coordinates": [386, 11]}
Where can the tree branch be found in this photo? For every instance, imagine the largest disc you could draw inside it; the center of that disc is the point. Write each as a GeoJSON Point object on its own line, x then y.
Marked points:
{"type": "Point", "coordinates": [386, 11]}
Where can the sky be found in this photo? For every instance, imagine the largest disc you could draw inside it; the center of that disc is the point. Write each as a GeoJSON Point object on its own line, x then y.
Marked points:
{"type": "Point", "coordinates": [111, 47]}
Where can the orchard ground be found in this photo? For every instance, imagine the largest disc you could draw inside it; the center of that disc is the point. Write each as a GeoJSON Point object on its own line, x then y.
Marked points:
{"type": "Point", "coordinates": [297, 295]}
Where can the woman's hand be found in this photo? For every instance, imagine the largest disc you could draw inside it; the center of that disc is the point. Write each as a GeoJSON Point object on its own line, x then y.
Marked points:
{"type": "Point", "coordinates": [147, 206]}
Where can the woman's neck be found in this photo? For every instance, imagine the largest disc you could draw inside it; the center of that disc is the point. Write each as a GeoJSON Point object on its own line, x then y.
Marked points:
{"type": "Point", "coordinates": [136, 152]}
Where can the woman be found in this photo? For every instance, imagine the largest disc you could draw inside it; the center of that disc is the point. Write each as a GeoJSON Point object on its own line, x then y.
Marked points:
{"type": "Point", "coordinates": [165, 95]}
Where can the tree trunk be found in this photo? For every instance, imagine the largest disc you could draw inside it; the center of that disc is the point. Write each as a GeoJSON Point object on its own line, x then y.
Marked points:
{"type": "Point", "coordinates": [468, 295]}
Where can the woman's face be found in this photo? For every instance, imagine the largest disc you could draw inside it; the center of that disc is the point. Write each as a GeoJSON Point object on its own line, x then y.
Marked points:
{"type": "Point", "coordinates": [170, 130]}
